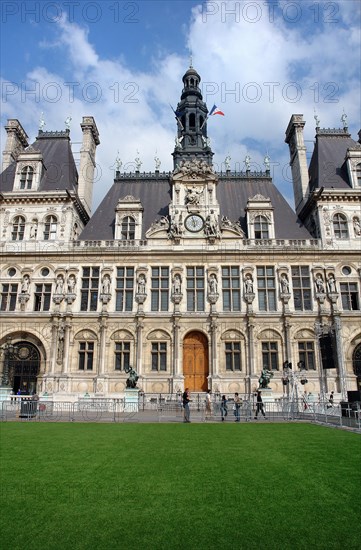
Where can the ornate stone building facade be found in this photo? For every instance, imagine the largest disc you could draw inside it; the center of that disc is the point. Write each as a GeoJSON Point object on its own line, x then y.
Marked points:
{"type": "Point", "coordinates": [194, 278]}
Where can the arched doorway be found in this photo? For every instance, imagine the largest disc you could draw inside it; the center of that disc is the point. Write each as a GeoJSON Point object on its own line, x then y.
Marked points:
{"type": "Point", "coordinates": [356, 364]}
{"type": "Point", "coordinates": [24, 367]}
{"type": "Point", "coordinates": [195, 361]}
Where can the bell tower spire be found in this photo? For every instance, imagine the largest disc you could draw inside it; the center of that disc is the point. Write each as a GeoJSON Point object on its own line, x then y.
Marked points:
{"type": "Point", "coordinates": [192, 141]}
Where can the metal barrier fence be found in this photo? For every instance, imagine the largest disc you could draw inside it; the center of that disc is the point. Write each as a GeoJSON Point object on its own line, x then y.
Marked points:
{"type": "Point", "coordinates": [159, 409]}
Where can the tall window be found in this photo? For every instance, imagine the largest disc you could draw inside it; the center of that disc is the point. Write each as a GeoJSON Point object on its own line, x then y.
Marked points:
{"type": "Point", "coordinates": [231, 289]}
{"type": "Point", "coordinates": [8, 297]}
{"type": "Point", "coordinates": [270, 355]}
{"type": "Point", "coordinates": [159, 356]}
{"type": "Point", "coordinates": [160, 289]}
{"type": "Point", "coordinates": [18, 229]}
{"type": "Point", "coordinates": [261, 228]}
{"type": "Point", "coordinates": [340, 227]}
{"type": "Point", "coordinates": [86, 355]}
{"type": "Point", "coordinates": [50, 228]}
{"type": "Point", "coordinates": [349, 296]}
{"type": "Point", "coordinates": [306, 354]}
{"type": "Point", "coordinates": [89, 289]}
{"type": "Point", "coordinates": [358, 174]}
{"type": "Point", "coordinates": [195, 289]}
{"type": "Point", "coordinates": [124, 289]}
{"type": "Point", "coordinates": [26, 177]}
{"type": "Point", "coordinates": [128, 228]}
{"type": "Point", "coordinates": [42, 297]}
{"type": "Point", "coordinates": [233, 356]}
{"type": "Point", "coordinates": [301, 283]}
{"type": "Point", "coordinates": [122, 355]}
{"type": "Point", "coordinates": [266, 288]}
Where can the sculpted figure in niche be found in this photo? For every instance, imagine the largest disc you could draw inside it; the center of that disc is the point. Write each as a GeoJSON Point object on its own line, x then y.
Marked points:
{"type": "Point", "coordinates": [177, 285]}
{"type": "Point", "coordinates": [285, 287]}
{"type": "Point", "coordinates": [211, 225]}
{"type": "Point", "coordinates": [34, 229]}
{"type": "Point", "coordinates": [213, 284]}
{"type": "Point", "coordinates": [320, 286]}
{"type": "Point", "coordinates": [248, 285]}
{"type": "Point", "coordinates": [176, 224]}
{"type": "Point", "coordinates": [71, 284]}
{"type": "Point", "coordinates": [106, 285]}
{"type": "Point", "coordinates": [141, 284]}
{"type": "Point", "coordinates": [60, 344]}
{"type": "Point", "coordinates": [331, 283]}
{"type": "Point", "coordinates": [193, 196]}
{"type": "Point", "coordinates": [357, 227]}
{"type": "Point", "coordinates": [59, 285]}
{"type": "Point", "coordinates": [25, 284]}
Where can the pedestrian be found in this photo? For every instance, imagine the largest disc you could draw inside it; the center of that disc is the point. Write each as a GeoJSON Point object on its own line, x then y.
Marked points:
{"type": "Point", "coordinates": [224, 408]}
{"type": "Point", "coordinates": [259, 405]}
{"type": "Point", "coordinates": [330, 400]}
{"type": "Point", "coordinates": [186, 400]}
{"type": "Point", "coordinates": [208, 405]}
{"type": "Point", "coordinates": [237, 407]}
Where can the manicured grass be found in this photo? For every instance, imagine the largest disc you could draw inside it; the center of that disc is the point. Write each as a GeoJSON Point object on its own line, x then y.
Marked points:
{"type": "Point", "coordinates": [176, 486]}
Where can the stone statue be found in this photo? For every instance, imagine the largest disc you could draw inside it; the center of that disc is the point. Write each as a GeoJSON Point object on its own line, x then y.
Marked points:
{"type": "Point", "coordinates": [106, 285]}
{"type": "Point", "coordinates": [177, 285]}
{"type": "Point", "coordinates": [211, 225]}
{"type": "Point", "coordinates": [266, 162]}
{"type": "Point", "coordinates": [331, 284]}
{"type": "Point", "coordinates": [157, 162]}
{"type": "Point", "coordinates": [227, 162]}
{"type": "Point", "coordinates": [141, 285]}
{"type": "Point", "coordinates": [344, 120]}
{"type": "Point", "coordinates": [132, 377]}
{"type": "Point", "coordinates": [60, 345]}
{"type": "Point", "coordinates": [212, 284]}
{"type": "Point", "coordinates": [357, 227]}
{"type": "Point", "coordinates": [320, 286]}
{"type": "Point", "coordinates": [71, 284]}
{"type": "Point", "coordinates": [193, 196]}
{"type": "Point", "coordinates": [178, 142]}
{"type": "Point", "coordinates": [247, 162]}
{"type": "Point", "coordinates": [42, 122]}
{"type": "Point", "coordinates": [176, 224]}
{"type": "Point", "coordinates": [68, 122]}
{"type": "Point", "coordinates": [265, 378]}
{"type": "Point", "coordinates": [25, 284]}
{"type": "Point", "coordinates": [248, 285]}
{"type": "Point", "coordinates": [118, 163]}
{"type": "Point", "coordinates": [59, 287]}
{"type": "Point", "coordinates": [285, 287]}
{"type": "Point", "coordinates": [34, 229]}
{"type": "Point", "coordinates": [317, 119]}
{"type": "Point", "coordinates": [138, 162]}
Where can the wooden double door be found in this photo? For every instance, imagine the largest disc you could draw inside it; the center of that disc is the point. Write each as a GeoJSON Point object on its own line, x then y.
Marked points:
{"type": "Point", "coordinates": [195, 361]}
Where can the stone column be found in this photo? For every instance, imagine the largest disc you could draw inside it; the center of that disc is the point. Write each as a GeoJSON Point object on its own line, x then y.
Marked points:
{"type": "Point", "coordinates": [340, 357]}
{"type": "Point", "coordinates": [213, 329]}
{"type": "Point", "coordinates": [139, 344]}
{"type": "Point", "coordinates": [251, 360]}
{"type": "Point", "coordinates": [103, 318]}
{"type": "Point", "coordinates": [54, 343]}
{"type": "Point", "coordinates": [66, 359]}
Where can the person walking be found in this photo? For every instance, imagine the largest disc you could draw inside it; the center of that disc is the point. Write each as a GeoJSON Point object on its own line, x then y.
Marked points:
{"type": "Point", "coordinates": [208, 405]}
{"type": "Point", "coordinates": [260, 407]}
{"type": "Point", "coordinates": [224, 407]}
{"type": "Point", "coordinates": [186, 400]}
{"type": "Point", "coordinates": [237, 407]}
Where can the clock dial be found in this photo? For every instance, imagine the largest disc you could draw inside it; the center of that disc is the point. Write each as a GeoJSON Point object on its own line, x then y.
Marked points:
{"type": "Point", "coordinates": [194, 223]}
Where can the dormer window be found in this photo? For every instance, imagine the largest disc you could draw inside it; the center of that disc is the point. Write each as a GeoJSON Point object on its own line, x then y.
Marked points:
{"type": "Point", "coordinates": [358, 174]}
{"type": "Point", "coordinates": [261, 228]}
{"type": "Point", "coordinates": [26, 177]}
{"type": "Point", "coordinates": [340, 227]}
{"type": "Point", "coordinates": [50, 228]}
{"type": "Point", "coordinates": [17, 233]}
{"type": "Point", "coordinates": [128, 228]}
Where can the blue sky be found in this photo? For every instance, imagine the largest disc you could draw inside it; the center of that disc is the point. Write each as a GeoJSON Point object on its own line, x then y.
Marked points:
{"type": "Point", "coordinates": [122, 62]}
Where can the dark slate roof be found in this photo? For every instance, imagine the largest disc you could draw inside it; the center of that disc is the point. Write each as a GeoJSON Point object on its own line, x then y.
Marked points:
{"type": "Point", "coordinates": [328, 167]}
{"type": "Point", "coordinates": [60, 173]}
{"type": "Point", "coordinates": [154, 192]}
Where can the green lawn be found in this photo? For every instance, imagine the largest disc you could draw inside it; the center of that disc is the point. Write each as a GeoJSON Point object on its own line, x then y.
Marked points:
{"type": "Point", "coordinates": [170, 486]}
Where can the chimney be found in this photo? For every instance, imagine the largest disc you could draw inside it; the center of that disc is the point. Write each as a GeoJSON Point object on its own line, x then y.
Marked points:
{"type": "Point", "coordinates": [16, 142]}
{"type": "Point", "coordinates": [298, 161]}
{"type": "Point", "coordinates": [87, 161]}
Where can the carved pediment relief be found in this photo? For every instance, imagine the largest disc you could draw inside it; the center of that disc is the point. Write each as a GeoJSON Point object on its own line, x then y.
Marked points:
{"type": "Point", "coordinates": [193, 170]}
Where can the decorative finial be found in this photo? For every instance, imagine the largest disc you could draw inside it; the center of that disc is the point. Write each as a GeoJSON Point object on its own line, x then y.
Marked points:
{"type": "Point", "coordinates": [344, 120]}
{"type": "Point", "coordinates": [227, 162]}
{"type": "Point", "coordinates": [247, 162]}
{"type": "Point", "coordinates": [157, 161]}
{"type": "Point", "coordinates": [266, 162]}
{"type": "Point", "coordinates": [118, 162]}
{"type": "Point", "coordinates": [42, 122]}
{"type": "Point", "coordinates": [316, 117]}
{"type": "Point", "coordinates": [191, 61]}
{"type": "Point", "coordinates": [68, 122]}
{"type": "Point", "coordinates": [138, 162]}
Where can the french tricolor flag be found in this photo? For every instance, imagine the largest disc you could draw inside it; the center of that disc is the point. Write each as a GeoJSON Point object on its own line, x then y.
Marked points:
{"type": "Point", "coordinates": [215, 111]}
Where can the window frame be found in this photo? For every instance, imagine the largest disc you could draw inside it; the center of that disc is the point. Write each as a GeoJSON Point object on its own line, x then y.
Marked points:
{"type": "Point", "coordinates": [231, 354]}
{"type": "Point", "coordinates": [50, 228]}
{"type": "Point", "coordinates": [231, 293]}
{"type": "Point", "coordinates": [270, 355]}
{"type": "Point", "coordinates": [18, 228]}
{"type": "Point", "coordinates": [261, 227]}
{"type": "Point", "coordinates": [159, 356]}
{"type": "Point", "coordinates": [340, 226]}
{"type": "Point", "coordinates": [350, 297]}
{"type": "Point", "coordinates": [306, 354]}
{"type": "Point", "coordinates": [86, 355]}
{"type": "Point", "coordinates": [127, 231]}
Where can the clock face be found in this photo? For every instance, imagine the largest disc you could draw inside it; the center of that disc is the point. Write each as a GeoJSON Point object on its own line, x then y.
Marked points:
{"type": "Point", "coordinates": [194, 223]}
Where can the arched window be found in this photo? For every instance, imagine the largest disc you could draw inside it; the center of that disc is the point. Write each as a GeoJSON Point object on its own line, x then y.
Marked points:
{"type": "Point", "coordinates": [18, 228]}
{"type": "Point", "coordinates": [26, 177]}
{"type": "Point", "coordinates": [128, 228]}
{"type": "Point", "coordinates": [261, 228]}
{"type": "Point", "coordinates": [340, 228]}
{"type": "Point", "coordinates": [50, 228]}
